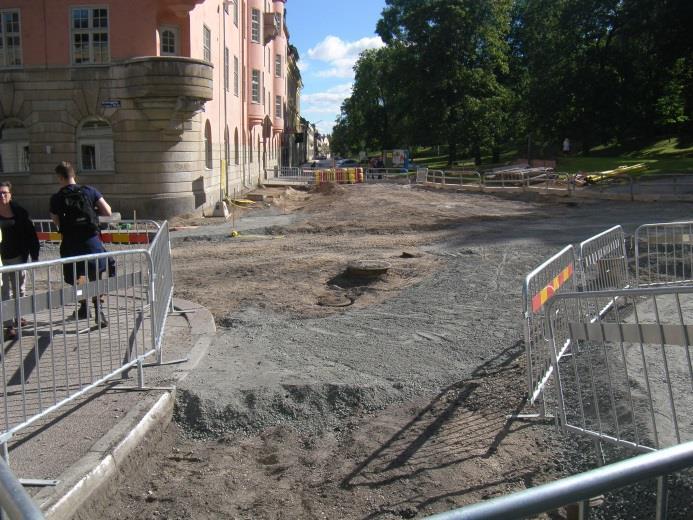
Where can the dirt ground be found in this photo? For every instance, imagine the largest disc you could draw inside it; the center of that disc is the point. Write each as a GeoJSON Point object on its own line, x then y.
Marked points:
{"type": "Point", "coordinates": [432, 441]}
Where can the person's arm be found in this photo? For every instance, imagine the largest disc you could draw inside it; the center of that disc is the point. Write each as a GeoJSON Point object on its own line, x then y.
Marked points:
{"type": "Point", "coordinates": [103, 209]}
{"type": "Point", "coordinates": [34, 244]}
{"type": "Point", "coordinates": [56, 220]}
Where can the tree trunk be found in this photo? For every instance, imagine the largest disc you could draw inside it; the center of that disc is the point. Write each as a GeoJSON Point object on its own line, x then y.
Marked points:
{"type": "Point", "coordinates": [477, 154]}
{"type": "Point", "coordinates": [452, 151]}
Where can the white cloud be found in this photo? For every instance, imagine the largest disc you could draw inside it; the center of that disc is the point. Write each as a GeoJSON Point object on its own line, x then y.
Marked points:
{"type": "Point", "coordinates": [340, 55]}
{"type": "Point", "coordinates": [326, 102]}
{"type": "Point", "coordinates": [303, 65]}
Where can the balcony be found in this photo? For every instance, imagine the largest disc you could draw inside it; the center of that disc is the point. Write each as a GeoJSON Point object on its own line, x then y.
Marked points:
{"type": "Point", "coordinates": [165, 77]}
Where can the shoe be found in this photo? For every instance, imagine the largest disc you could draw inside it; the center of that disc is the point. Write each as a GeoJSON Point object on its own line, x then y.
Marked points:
{"type": "Point", "coordinates": [82, 313]}
{"type": "Point", "coordinates": [100, 319]}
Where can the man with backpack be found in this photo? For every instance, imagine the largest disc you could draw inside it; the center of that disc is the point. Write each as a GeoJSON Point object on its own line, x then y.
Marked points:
{"type": "Point", "coordinates": [75, 210]}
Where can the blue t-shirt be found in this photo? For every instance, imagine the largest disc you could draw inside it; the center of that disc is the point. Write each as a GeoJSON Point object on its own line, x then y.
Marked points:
{"type": "Point", "coordinates": [77, 242]}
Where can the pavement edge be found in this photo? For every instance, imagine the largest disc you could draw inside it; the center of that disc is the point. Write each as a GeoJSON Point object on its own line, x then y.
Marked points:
{"type": "Point", "coordinates": [83, 480]}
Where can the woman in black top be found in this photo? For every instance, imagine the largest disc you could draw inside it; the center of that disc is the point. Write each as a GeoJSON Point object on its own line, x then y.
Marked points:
{"type": "Point", "coordinates": [19, 242]}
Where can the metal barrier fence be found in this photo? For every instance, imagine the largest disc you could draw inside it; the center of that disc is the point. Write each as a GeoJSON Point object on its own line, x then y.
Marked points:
{"type": "Point", "coordinates": [580, 488]}
{"type": "Point", "coordinates": [114, 232]}
{"type": "Point", "coordinates": [75, 328]}
{"type": "Point", "coordinates": [663, 184]}
{"type": "Point", "coordinates": [629, 378]}
{"type": "Point", "coordinates": [14, 500]}
{"type": "Point", "coordinates": [454, 178]}
{"type": "Point", "coordinates": [604, 265]}
{"type": "Point", "coordinates": [664, 253]}
{"type": "Point", "coordinates": [373, 174]}
{"type": "Point", "coordinates": [556, 275]}
{"type": "Point", "coordinates": [604, 261]}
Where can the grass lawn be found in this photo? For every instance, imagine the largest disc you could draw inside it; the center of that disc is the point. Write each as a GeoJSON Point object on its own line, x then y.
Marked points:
{"type": "Point", "coordinates": [662, 156]}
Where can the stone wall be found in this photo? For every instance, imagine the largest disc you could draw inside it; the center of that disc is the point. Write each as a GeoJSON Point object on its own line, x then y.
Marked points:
{"type": "Point", "coordinates": [155, 109]}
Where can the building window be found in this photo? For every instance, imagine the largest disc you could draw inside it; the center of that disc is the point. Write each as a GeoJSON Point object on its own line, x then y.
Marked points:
{"type": "Point", "coordinates": [95, 146]}
{"type": "Point", "coordinates": [14, 148]}
{"type": "Point", "coordinates": [10, 38]}
{"type": "Point", "coordinates": [255, 86]}
{"type": "Point", "coordinates": [90, 35]}
{"type": "Point", "coordinates": [206, 44]}
{"type": "Point", "coordinates": [168, 41]}
{"type": "Point", "coordinates": [278, 66]}
{"type": "Point", "coordinates": [235, 75]}
{"type": "Point", "coordinates": [278, 106]}
{"type": "Point", "coordinates": [235, 13]}
{"type": "Point", "coordinates": [226, 69]}
{"type": "Point", "coordinates": [255, 25]}
{"type": "Point", "coordinates": [208, 145]}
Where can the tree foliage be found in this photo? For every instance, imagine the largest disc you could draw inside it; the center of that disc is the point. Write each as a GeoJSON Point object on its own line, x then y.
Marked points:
{"type": "Point", "coordinates": [475, 74]}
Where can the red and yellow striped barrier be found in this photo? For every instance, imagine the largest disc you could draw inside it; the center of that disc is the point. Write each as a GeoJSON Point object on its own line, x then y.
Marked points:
{"type": "Point", "coordinates": [339, 176]}
{"type": "Point", "coordinates": [107, 237]}
{"type": "Point", "coordinates": [539, 299]}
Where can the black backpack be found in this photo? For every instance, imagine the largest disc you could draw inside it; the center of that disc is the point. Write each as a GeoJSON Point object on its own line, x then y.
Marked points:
{"type": "Point", "coordinates": [78, 213]}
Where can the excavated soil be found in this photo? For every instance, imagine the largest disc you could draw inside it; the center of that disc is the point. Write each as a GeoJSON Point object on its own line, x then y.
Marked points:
{"type": "Point", "coordinates": [332, 393]}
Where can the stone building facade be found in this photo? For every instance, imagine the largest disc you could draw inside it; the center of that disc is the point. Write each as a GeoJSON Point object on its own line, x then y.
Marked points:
{"type": "Point", "coordinates": [166, 106]}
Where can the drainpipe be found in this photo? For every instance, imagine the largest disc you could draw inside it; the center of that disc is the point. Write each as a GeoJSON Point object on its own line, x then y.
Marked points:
{"type": "Point", "coordinates": [227, 66]}
{"type": "Point", "coordinates": [45, 35]}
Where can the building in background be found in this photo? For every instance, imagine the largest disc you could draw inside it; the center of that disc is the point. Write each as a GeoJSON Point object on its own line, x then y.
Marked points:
{"type": "Point", "coordinates": [165, 105]}
{"type": "Point", "coordinates": [293, 144]}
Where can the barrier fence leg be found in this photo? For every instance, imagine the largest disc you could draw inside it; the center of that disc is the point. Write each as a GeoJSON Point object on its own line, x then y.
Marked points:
{"type": "Point", "coordinates": [662, 498]}
{"type": "Point", "coordinates": [140, 372]}
{"type": "Point", "coordinates": [6, 457]}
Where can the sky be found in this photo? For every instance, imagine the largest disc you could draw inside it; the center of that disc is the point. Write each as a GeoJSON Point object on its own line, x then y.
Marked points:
{"type": "Point", "coordinates": [329, 36]}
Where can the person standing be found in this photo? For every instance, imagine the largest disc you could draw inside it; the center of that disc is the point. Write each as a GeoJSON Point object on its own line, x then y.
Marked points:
{"type": "Point", "coordinates": [18, 244]}
{"type": "Point", "coordinates": [75, 210]}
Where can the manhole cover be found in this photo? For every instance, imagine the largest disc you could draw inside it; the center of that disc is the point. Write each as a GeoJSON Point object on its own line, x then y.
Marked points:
{"type": "Point", "coordinates": [367, 268]}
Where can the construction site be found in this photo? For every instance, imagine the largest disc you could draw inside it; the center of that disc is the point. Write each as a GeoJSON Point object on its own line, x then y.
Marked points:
{"type": "Point", "coordinates": [370, 359]}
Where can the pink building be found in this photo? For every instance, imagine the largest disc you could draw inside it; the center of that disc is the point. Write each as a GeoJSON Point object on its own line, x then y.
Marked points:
{"type": "Point", "coordinates": [166, 106]}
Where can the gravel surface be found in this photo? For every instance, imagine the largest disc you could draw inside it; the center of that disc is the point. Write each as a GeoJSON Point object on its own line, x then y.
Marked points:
{"type": "Point", "coordinates": [391, 405]}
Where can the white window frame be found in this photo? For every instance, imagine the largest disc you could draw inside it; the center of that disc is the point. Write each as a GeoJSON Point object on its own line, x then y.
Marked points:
{"type": "Point", "coordinates": [255, 26]}
{"type": "Point", "coordinates": [206, 44]}
{"type": "Point", "coordinates": [90, 32]}
{"type": "Point", "coordinates": [8, 59]}
{"type": "Point", "coordinates": [278, 106]}
{"type": "Point", "coordinates": [235, 75]}
{"type": "Point", "coordinates": [14, 150]}
{"type": "Point", "coordinates": [100, 138]}
{"type": "Point", "coordinates": [255, 86]}
{"type": "Point", "coordinates": [175, 31]}
{"type": "Point", "coordinates": [278, 65]}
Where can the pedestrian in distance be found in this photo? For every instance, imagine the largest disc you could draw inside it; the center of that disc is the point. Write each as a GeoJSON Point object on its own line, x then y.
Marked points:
{"type": "Point", "coordinates": [19, 243]}
{"type": "Point", "coordinates": [75, 210]}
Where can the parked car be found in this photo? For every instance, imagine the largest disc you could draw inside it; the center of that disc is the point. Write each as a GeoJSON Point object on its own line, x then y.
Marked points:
{"type": "Point", "coordinates": [347, 163]}
{"type": "Point", "coordinates": [318, 164]}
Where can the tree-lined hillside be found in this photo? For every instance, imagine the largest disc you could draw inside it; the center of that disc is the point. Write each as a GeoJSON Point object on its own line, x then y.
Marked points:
{"type": "Point", "coordinates": [477, 75]}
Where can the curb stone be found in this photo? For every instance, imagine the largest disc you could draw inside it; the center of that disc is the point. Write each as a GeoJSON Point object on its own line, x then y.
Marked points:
{"type": "Point", "coordinates": [83, 480]}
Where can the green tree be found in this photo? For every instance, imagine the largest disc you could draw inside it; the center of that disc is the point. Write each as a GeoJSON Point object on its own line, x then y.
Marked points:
{"type": "Point", "coordinates": [458, 51]}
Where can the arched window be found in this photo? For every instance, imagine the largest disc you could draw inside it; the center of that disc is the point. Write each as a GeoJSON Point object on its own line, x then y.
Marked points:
{"type": "Point", "coordinates": [168, 40]}
{"type": "Point", "coordinates": [208, 145]}
{"type": "Point", "coordinates": [14, 147]}
{"type": "Point", "coordinates": [235, 146]}
{"type": "Point", "coordinates": [95, 146]}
